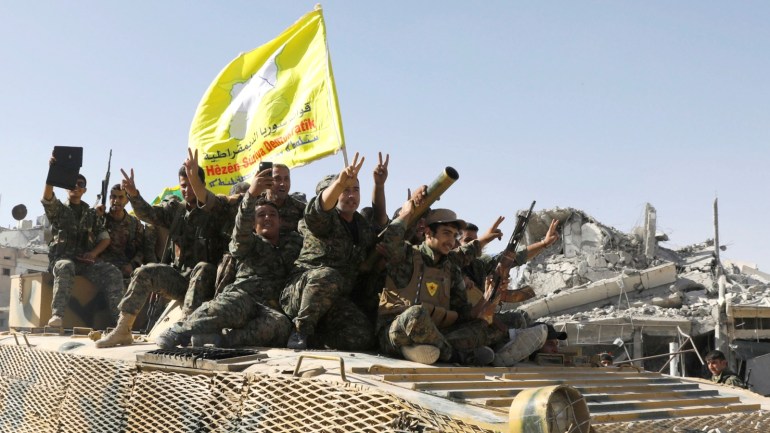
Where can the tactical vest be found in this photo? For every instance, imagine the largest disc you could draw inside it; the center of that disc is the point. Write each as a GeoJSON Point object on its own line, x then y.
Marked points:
{"type": "Point", "coordinates": [429, 287]}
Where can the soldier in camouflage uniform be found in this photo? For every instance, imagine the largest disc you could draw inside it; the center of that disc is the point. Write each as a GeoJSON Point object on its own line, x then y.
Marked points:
{"type": "Point", "coordinates": [475, 272]}
{"type": "Point", "coordinates": [129, 246]}
{"type": "Point", "coordinates": [720, 373]}
{"type": "Point", "coordinates": [424, 303]}
{"type": "Point", "coordinates": [195, 235]}
{"type": "Point", "coordinates": [265, 259]}
{"type": "Point", "coordinates": [290, 209]}
{"type": "Point", "coordinates": [78, 240]}
{"type": "Point", "coordinates": [337, 239]}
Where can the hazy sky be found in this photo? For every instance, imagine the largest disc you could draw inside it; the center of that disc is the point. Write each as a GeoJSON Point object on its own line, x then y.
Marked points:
{"type": "Point", "coordinates": [597, 105]}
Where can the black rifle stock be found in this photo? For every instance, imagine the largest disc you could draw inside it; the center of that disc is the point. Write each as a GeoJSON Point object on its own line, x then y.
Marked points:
{"type": "Point", "coordinates": [106, 184]}
{"type": "Point", "coordinates": [507, 258]}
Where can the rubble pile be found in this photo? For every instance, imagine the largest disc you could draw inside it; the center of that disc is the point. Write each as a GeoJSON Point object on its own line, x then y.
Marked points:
{"type": "Point", "coordinates": [591, 255]}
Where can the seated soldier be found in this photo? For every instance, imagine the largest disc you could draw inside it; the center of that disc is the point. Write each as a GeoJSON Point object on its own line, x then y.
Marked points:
{"type": "Point", "coordinates": [78, 240]}
{"type": "Point", "coordinates": [720, 373]}
{"type": "Point", "coordinates": [337, 239]}
{"type": "Point", "coordinates": [424, 302]}
{"type": "Point", "coordinates": [247, 310]}
{"type": "Point", "coordinates": [130, 246]}
{"type": "Point", "coordinates": [195, 239]}
{"type": "Point", "coordinates": [290, 209]}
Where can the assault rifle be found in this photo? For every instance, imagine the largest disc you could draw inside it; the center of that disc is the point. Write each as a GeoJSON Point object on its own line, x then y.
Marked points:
{"type": "Point", "coordinates": [105, 185]}
{"type": "Point", "coordinates": [507, 258]}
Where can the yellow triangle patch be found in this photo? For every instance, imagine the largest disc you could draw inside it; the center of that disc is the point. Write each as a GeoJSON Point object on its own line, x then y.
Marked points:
{"type": "Point", "coordinates": [432, 288]}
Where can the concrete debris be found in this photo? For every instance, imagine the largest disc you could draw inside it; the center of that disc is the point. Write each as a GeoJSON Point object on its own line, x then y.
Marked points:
{"type": "Point", "coordinates": [32, 238]}
{"type": "Point", "coordinates": [597, 272]}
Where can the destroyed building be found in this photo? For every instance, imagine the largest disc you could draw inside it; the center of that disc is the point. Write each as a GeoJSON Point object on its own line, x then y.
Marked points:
{"type": "Point", "coordinates": [22, 249]}
{"type": "Point", "coordinates": [625, 294]}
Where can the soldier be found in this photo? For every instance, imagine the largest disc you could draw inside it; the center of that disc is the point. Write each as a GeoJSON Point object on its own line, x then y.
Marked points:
{"type": "Point", "coordinates": [500, 333]}
{"type": "Point", "coordinates": [424, 297]}
{"type": "Point", "coordinates": [477, 270]}
{"type": "Point", "coordinates": [720, 373]}
{"type": "Point", "coordinates": [196, 240]}
{"type": "Point", "coordinates": [290, 209]}
{"type": "Point", "coordinates": [78, 240]}
{"type": "Point", "coordinates": [337, 239]}
{"type": "Point", "coordinates": [264, 260]}
{"type": "Point", "coordinates": [605, 359]}
{"type": "Point", "coordinates": [129, 245]}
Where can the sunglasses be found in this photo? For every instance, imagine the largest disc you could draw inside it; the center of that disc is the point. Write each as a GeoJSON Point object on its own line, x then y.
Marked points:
{"type": "Point", "coordinates": [80, 184]}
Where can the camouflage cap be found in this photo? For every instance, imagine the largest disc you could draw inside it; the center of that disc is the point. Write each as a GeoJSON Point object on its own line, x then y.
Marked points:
{"type": "Point", "coordinates": [324, 183]}
{"type": "Point", "coordinates": [443, 216]}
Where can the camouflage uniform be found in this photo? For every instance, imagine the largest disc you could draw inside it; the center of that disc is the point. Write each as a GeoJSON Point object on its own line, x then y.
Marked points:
{"type": "Point", "coordinates": [252, 301]}
{"type": "Point", "coordinates": [727, 377]}
{"type": "Point", "coordinates": [476, 269]}
{"type": "Point", "coordinates": [317, 295]}
{"type": "Point", "coordinates": [76, 230]}
{"type": "Point", "coordinates": [407, 324]}
{"type": "Point", "coordinates": [290, 212]}
{"type": "Point", "coordinates": [129, 244]}
{"type": "Point", "coordinates": [198, 244]}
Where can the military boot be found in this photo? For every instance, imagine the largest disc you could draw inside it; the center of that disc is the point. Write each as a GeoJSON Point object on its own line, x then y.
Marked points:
{"type": "Point", "coordinates": [422, 353]}
{"type": "Point", "coordinates": [201, 340]}
{"type": "Point", "coordinates": [55, 322]}
{"type": "Point", "coordinates": [170, 338]}
{"type": "Point", "coordinates": [121, 335]}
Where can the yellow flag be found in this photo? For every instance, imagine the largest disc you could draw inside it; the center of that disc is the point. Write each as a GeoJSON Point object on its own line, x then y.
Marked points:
{"type": "Point", "coordinates": [275, 103]}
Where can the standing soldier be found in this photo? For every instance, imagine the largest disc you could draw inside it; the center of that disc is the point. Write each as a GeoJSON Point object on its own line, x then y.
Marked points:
{"type": "Point", "coordinates": [78, 240]}
{"type": "Point", "coordinates": [248, 309]}
{"type": "Point", "coordinates": [195, 239]}
{"type": "Point", "coordinates": [129, 247]}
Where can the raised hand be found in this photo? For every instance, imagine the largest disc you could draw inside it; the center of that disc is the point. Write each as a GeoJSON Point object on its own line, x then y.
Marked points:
{"type": "Point", "coordinates": [128, 183]}
{"type": "Point", "coordinates": [191, 163]}
{"type": "Point", "coordinates": [262, 182]}
{"type": "Point", "coordinates": [493, 233]}
{"type": "Point", "coordinates": [349, 174]}
{"type": "Point", "coordinates": [552, 235]}
{"type": "Point", "coordinates": [381, 170]}
{"type": "Point", "coordinates": [419, 195]}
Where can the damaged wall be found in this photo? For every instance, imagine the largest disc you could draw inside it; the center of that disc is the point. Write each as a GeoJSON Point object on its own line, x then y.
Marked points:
{"type": "Point", "coordinates": [594, 274]}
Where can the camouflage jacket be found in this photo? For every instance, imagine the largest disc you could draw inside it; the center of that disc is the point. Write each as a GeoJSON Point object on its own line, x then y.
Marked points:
{"type": "Point", "coordinates": [128, 242]}
{"type": "Point", "coordinates": [72, 236]}
{"type": "Point", "coordinates": [329, 241]}
{"type": "Point", "coordinates": [727, 377]}
{"type": "Point", "coordinates": [291, 213]}
{"type": "Point", "coordinates": [399, 265]}
{"type": "Point", "coordinates": [257, 259]}
{"type": "Point", "coordinates": [199, 235]}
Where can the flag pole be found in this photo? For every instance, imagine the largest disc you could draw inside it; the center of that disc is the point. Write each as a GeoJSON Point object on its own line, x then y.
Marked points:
{"type": "Point", "coordinates": [334, 100]}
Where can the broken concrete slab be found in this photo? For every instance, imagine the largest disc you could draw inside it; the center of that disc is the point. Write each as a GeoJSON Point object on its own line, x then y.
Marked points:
{"type": "Point", "coordinates": [601, 291]}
